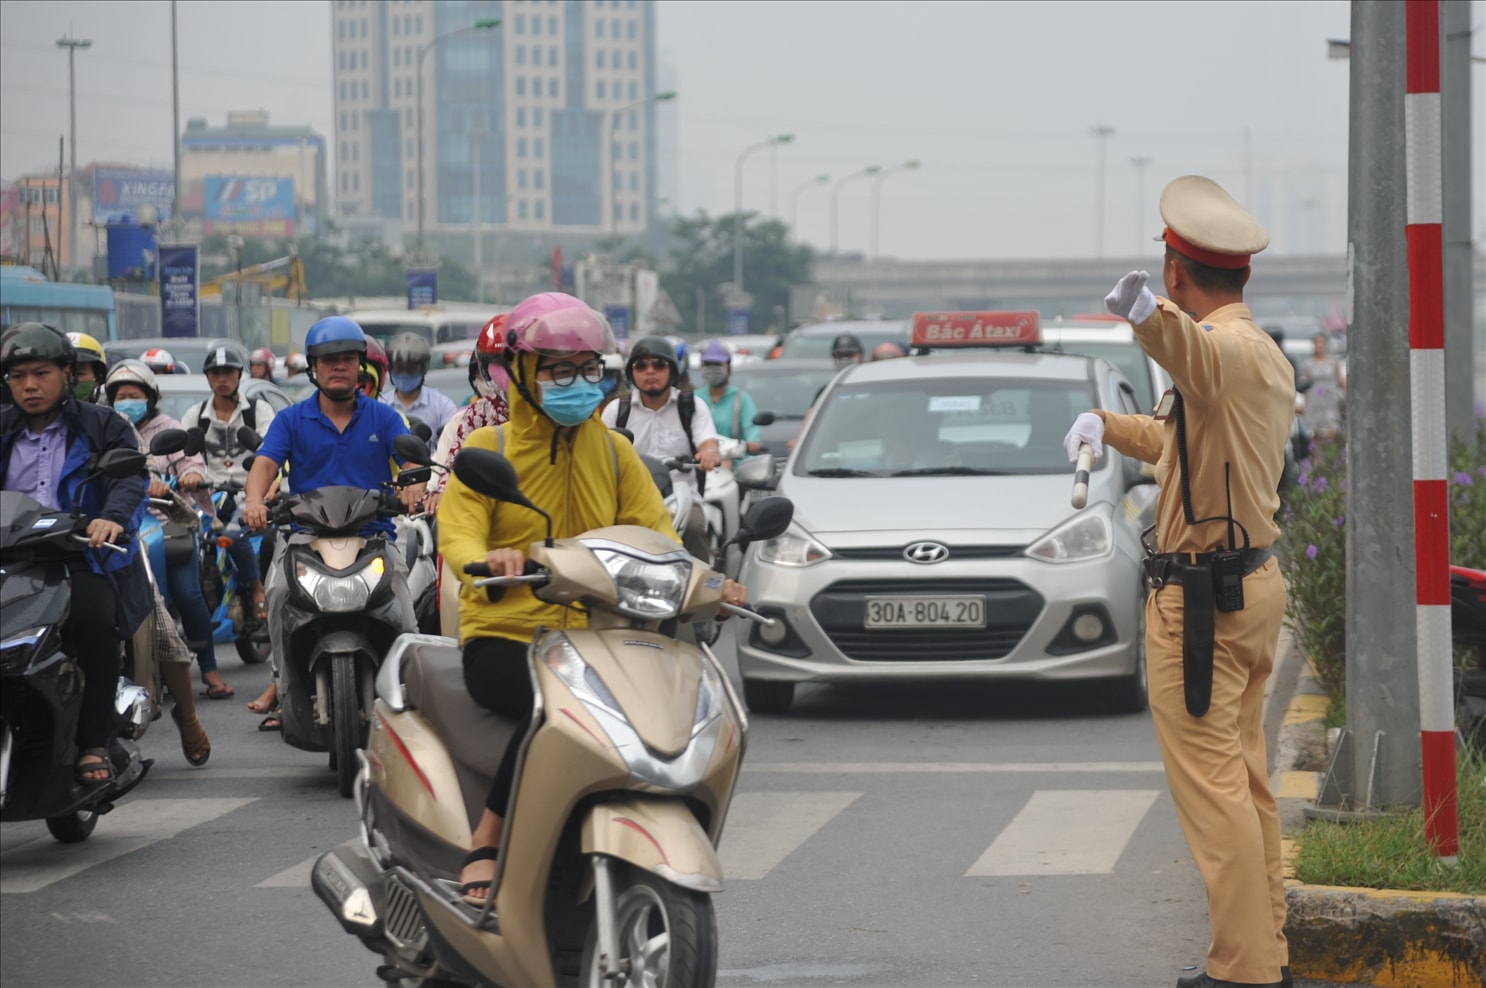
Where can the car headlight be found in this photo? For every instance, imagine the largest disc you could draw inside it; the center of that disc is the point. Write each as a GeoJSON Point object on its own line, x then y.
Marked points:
{"type": "Point", "coordinates": [1086, 536]}
{"type": "Point", "coordinates": [339, 594]}
{"type": "Point", "coordinates": [794, 548]}
{"type": "Point", "coordinates": [17, 648]}
{"type": "Point", "coordinates": [648, 589]}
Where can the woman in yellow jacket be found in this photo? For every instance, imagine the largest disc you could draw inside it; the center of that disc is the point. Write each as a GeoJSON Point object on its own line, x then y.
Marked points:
{"type": "Point", "coordinates": [576, 470]}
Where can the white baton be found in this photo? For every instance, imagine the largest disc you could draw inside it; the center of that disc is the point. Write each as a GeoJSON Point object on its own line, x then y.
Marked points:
{"type": "Point", "coordinates": [1081, 475]}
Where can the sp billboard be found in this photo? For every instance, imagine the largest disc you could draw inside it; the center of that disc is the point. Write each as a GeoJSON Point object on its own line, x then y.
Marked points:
{"type": "Point", "coordinates": [253, 206]}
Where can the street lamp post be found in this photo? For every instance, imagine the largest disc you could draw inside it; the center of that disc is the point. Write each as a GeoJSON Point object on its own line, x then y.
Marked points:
{"type": "Point", "coordinates": [877, 194]}
{"type": "Point", "coordinates": [477, 138]}
{"type": "Point", "coordinates": [481, 25]}
{"type": "Point", "coordinates": [794, 197]}
{"type": "Point", "coordinates": [738, 204]}
{"type": "Point", "coordinates": [608, 152]}
{"type": "Point", "coordinates": [1102, 132]}
{"type": "Point", "coordinates": [72, 45]}
{"type": "Point", "coordinates": [836, 192]}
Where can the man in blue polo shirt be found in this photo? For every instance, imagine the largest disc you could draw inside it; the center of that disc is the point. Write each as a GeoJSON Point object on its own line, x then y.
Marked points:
{"type": "Point", "coordinates": [336, 436]}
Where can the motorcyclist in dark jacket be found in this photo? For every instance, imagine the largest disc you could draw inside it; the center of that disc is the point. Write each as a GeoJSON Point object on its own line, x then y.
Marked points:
{"type": "Point", "coordinates": [49, 444]}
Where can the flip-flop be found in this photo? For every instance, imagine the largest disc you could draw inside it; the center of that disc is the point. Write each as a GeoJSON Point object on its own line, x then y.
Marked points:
{"type": "Point", "coordinates": [218, 691]}
{"type": "Point", "coordinates": [273, 722]}
{"type": "Point", "coordinates": [478, 854]}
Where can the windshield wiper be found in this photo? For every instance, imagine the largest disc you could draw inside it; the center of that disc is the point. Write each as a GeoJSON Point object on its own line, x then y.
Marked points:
{"type": "Point", "coordinates": [949, 472]}
{"type": "Point", "coordinates": [840, 472]}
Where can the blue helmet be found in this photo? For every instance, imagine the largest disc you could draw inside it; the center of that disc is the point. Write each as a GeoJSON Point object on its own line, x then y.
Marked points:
{"type": "Point", "coordinates": [680, 346]}
{"type": "Point", "coordinates": [334, 334]}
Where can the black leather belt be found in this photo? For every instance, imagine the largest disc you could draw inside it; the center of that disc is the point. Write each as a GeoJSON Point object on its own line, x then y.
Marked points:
{"type": "Point", "coordinates": [1167, 567]}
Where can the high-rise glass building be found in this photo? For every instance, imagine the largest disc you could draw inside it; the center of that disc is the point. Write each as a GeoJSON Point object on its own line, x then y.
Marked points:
{"type": "Point", "coordinates": [553, 107]}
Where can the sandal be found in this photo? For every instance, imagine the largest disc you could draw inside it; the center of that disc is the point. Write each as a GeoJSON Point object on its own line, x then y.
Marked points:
{"type": "Point", "coordinates": [273, 722]}
{"type": "Point", "coordinates": [217, 691]}
{"type": "Point", "coordinates": [86, 768]}
{"type": "Point", "coordinates": [465, 888]}
{"type": "Point", "coordinates": [200, 750]}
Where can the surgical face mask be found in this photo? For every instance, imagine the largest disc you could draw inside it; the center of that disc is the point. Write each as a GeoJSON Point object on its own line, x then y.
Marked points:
{"type": "Point", "coordinates": [715, 374]}
{"type": "Point", "coordinates": [406, 383]}
{"type": "Point", "coordinates": [572, 404]}
{"type": "Point", "coordinates": [133, 408]}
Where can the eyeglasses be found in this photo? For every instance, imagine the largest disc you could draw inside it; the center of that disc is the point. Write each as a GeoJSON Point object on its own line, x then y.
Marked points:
{"type": "Point", "coordinates": [565, 372]}
{"type": "Point", "coordinates": [650, 363]}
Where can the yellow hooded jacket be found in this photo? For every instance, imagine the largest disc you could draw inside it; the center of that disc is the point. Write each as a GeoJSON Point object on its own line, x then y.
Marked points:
{"type": "Point", "coordinates": [575, 481]}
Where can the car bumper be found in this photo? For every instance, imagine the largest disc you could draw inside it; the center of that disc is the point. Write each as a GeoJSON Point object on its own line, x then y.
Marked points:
{"type": "Point", "coordinates": [1031, 609]}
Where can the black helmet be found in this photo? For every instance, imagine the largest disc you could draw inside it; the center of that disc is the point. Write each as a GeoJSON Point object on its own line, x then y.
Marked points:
{"type": "Point", "coordinates": [225, 355]}
{"type": "Point", "coordinates": [651, 346]}
{"type": "Point", "coordinates": [409, 352]}
{"type": "Point", "coordinates": [845, 345]}
{"type": "Point", "coordinates": [35, 341]}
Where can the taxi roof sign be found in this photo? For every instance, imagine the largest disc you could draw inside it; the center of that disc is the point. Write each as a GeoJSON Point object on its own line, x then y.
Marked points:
{"type": "Point", "coordinates": [976, 329]}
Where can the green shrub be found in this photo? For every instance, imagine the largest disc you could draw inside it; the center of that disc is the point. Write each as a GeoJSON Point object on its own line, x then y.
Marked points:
{"type": "Point", "coordinates": [1314, 548]}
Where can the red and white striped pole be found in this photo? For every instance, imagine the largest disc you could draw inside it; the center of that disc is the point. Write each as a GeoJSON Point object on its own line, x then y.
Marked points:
{"type": "Point", "coordinates": [1427, 400]}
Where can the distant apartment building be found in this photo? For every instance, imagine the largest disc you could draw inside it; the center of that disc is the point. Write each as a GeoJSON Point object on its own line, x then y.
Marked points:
{"type": "Point", "coordinates": [554, 107]}
{"type": "Point", "coordinates": [252, 177]}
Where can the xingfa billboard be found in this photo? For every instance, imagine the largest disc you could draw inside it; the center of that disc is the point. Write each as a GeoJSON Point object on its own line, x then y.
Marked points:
{"type": "Point", "coordinates": [119, 192]}
{"type": "Point", "coordinates": [244, 198]}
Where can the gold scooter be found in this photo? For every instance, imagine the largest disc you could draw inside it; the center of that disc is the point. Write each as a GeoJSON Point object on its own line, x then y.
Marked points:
{"type": "Point", "coordinates": [608, 856]}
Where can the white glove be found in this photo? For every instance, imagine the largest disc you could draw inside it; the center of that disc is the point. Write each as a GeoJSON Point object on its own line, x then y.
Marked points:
{"type": "Point", "coordinates": [1131, 299]}
{"type": "Point", "coordinates": [1087, 428]}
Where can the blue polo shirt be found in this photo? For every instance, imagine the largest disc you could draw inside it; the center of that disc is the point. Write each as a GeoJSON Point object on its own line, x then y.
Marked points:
{"type": "Point", "coordinates": [320, 455]}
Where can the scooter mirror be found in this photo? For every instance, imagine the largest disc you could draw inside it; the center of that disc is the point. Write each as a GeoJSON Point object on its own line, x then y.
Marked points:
{"type": "Point", "coordinates": [195, 441]}
{"type": "Point", "coordinates": [486, 472]}
{"type": "Point", "coordinates": [169, 441]}
{"type": "Point", "coordinates": [764, 418]}
{"type": "Point", "coordinates": [412, 450]}
{"type": "Point", "coordinates": [249, 439]}
{"type": "Point", "coordinates": [767, 519]}
{"type": "Point", "coordinates": [420, 428]}
{"type": "Point", "coordinates": [755, 473]}
{"type": "Point", "coordinates": [121, 463]}
{"type": "Point", "coordinates": [247, 461]}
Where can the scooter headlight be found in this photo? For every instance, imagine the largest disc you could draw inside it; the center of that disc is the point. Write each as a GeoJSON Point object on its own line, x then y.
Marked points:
{"type": "Point", "coordinates": [16, 650]}
{"type": "Point", "coordinates": [711, 699]}
{"type": "Point", "coordinates": [648, 589]}
{"type": "Point", "coordinates": [339, 594]}
{"type": "Point", "coordinates": [561, 657]}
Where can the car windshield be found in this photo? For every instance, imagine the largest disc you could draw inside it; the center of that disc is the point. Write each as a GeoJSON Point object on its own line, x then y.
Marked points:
{"type": "Point", "coordinates": [786, 395]}
{"type": "Point", "coordinates": [1128, 358]}
{"type": "Point", "coordinates": [175, 403]}
{"type": "Point", "coordinates": [811, 345]}
{"type": "Point", "coordinates": [943, 426]}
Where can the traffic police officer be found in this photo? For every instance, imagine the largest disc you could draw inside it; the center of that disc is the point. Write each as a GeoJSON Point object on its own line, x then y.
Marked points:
{"type": "Point", "coordinates": [1213, 616]}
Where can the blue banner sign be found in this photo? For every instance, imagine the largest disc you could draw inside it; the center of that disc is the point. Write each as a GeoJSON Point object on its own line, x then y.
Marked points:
{"type": "Point", "coordinates": [737, 322]}
{"type": "Point", "coordinates": [180, 297]}
{"type": "Point", "coordinates": [618, 316]}
{"type": "Point", "coordinates": [423, 287]}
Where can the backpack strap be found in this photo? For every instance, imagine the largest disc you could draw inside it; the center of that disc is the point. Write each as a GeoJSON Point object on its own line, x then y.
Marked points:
{"type": "Point", "coordinates": [622, 418]}
{"type": "Point", "coordinates": [737, 411]}
{"type": "Point", "coordinates": [686, 407]}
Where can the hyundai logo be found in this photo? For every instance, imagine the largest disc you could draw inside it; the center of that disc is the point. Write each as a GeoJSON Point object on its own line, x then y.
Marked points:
{"type": "Point", "coordinates": [926, 552]}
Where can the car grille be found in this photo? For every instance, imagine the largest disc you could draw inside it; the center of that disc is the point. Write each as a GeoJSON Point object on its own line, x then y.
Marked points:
{"type": "Point", "coordinates": [1012, 608]}
{"type": "Point", "coordinates": [894, 553]}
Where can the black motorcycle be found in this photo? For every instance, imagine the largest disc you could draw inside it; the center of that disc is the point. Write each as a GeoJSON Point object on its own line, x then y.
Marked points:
{"type": "Point", "coordinates": [40, 681]}
{"type": "Point", "coordinates": [338, 619]}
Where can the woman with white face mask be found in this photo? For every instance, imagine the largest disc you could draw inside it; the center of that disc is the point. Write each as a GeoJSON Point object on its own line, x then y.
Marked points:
{"type": "Point", "coordinates": [733, 411]}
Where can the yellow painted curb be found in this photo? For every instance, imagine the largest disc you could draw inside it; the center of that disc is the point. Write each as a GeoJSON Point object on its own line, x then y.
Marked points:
{"type": "Point", "coordinates": [1307, 707]}
{"type": "Point", "coordinates": [1299, 785]}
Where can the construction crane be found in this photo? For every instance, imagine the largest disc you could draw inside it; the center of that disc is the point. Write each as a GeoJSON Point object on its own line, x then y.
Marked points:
{"type": "Point", "coordinates": [282, 275]}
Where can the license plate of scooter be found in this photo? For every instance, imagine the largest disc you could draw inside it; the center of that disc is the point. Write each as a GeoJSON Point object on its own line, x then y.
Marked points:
{"type": "Point", "coordinates": [925, 612]}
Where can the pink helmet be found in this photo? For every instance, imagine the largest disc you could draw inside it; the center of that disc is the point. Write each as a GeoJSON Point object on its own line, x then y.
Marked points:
{"type": "Point", "coordinates": [554, 323]}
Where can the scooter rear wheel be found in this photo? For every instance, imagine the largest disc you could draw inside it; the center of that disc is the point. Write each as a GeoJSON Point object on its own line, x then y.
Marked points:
{"type": "Point", "coordinates": [73, 828]}
{"type": "Point", "coordinates": [667, 935]}
{"type": "Point", "coordinates": [253, 645]}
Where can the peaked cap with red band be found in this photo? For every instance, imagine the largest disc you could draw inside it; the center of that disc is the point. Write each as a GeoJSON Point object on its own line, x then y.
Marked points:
{"type": "Point", "coordinates": [1204, 223]}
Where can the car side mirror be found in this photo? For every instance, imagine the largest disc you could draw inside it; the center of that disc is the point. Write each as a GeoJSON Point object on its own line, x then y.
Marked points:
{"type": "Point", "coordinates": [170, 441]}
{"type": "Point", "coordinates": [764, 418]}
{"type": "Point", "coordinates": [756, 473]}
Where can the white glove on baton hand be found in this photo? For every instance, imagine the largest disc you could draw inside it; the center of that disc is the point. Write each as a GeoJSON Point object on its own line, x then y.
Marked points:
{"type": "Point", "coordinates": [1087, 428]}
{"type": "Point", "coordinates": [1131, 299]}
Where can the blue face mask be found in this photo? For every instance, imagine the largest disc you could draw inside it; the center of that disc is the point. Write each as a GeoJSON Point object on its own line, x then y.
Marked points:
{"type": "Point", "coordinates": [407, 383]}
{"type": "Point", "coordinates": [572, 404]}
{"type": "Point", "coordinates": [134, 408]}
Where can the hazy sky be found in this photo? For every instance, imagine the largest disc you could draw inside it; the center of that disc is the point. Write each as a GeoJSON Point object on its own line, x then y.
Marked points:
{"type": "Point", "coordinates": [996, 99]}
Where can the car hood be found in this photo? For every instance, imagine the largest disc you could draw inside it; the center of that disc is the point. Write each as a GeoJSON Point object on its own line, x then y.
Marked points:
{"type": "Point", "coordinates": [850, 511]}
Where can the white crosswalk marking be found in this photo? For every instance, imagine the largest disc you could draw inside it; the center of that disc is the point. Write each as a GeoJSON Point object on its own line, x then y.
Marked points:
{"type": "Point", "coordinates": [764, 827]}
{"type": "Point", "coordinates": [1066, 832]}
{"type": "Point", "coordinates": [135, 824]}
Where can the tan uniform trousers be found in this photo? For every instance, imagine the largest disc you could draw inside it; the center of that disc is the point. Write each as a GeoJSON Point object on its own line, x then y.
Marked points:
{"type": "Point", "coordinates": [1216, 769]}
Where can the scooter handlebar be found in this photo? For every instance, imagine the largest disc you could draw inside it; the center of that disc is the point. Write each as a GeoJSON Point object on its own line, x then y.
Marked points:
{"type": "Point", "coordinates": [750, 614]}
{"type": "Point", "coordinates": [511, 581]}
{"type": "Point", "coordinates": [115, 546]}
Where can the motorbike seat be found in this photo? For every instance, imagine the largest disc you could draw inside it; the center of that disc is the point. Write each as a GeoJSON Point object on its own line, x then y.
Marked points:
{"type": "Point", "coordinates": [433, 681]}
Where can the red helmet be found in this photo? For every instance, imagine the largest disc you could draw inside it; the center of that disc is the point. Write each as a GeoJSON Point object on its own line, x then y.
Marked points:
{"type": "Point", "coordinates": [264, 356]}
{"type": "Point", "coordinates": [489, 349]}
{"type": "Point", "coordinates": [373, 368]}
{"type": "Point", "coordinates": [159, 360]}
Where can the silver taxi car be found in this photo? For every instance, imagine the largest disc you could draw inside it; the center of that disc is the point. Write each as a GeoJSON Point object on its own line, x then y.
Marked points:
{"type": "Point", "coordinates": [933, 537]}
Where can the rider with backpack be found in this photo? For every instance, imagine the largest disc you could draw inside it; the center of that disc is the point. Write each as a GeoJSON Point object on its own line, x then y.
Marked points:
{"type": "Point", "coordinates": [667, 421]}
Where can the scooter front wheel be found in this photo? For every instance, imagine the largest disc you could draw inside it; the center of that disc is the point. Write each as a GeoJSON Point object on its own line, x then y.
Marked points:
{"type": "Point", "coordinates": [73, 828]}
{"type": "Point", "coordinates": [253, 644]}
{"type": "Point", "coordinates": [346, 722]}
{"type": "Point", "coordinates": [667, 935]}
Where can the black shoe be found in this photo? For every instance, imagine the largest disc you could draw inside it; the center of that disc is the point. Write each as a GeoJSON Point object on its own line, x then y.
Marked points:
{"type": "Point", "coordinates": [1204, 981]}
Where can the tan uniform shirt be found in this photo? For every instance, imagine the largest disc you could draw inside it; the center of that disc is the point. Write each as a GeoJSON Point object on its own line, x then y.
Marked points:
{"type": "Point", "coordinates": [1239, 393]}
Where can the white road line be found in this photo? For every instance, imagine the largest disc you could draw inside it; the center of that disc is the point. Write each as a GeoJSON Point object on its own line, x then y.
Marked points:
{"type": "Point", "coordinates": [763, 828]}
{"type": "Point", "coordinates": [295, 876]}
{"type": "Point", "coordinates": [1066, 832]}
{"type": "Point", "coordinates": [135, 824]}
{"type": "Point", "coordinates": [198, 776]}
{"type": "Point", "coordinates": [930, 768]}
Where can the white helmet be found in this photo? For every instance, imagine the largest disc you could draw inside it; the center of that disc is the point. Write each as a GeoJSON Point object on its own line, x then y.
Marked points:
{"type": "Point", "coordinates": [133, 372]}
